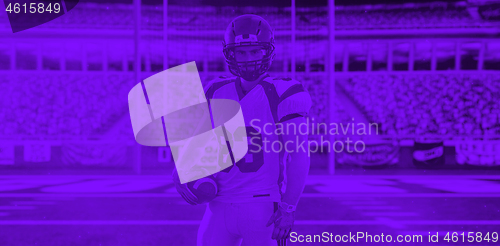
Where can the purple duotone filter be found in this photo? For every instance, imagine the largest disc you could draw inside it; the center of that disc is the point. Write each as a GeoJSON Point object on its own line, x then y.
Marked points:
{"type": "Point", "coordinates": [101, 100]}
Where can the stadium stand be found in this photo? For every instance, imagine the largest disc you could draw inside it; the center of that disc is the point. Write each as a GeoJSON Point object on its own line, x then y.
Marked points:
{"type": "Point", "coordinates": [120, 17]}
{"type": "Point", "coordinates": [44, 104]}
{"type": "Point", "coordinates": [459, 103]}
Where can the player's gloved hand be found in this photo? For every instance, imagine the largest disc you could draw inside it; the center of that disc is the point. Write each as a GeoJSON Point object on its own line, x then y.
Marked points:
{"type": "Point", "coordinates": [283, 222]}
{"type": "Point", "coordinates": [183, 190]}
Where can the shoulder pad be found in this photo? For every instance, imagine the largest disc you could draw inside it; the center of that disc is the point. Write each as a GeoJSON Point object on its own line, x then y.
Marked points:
{"type": "Point", "coordinates": [281, 83]}
{"type": "Point", "coordinates": [217, 80]}
{"type": "Point", "coordinates": [282, 78]}
{"type": "Point", "coordinates": [293, 98]}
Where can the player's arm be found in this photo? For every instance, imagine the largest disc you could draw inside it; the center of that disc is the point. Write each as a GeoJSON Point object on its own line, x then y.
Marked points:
{"type": "Point", "coordinates": [298, 167]}
{"type": "Point", "coordinates": [294, 105]}
{"type": "Point", "coordinates": [296, 172]}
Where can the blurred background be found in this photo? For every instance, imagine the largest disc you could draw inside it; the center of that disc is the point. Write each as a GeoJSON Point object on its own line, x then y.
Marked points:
{"type": "Point", "coordinates": [426, 73]}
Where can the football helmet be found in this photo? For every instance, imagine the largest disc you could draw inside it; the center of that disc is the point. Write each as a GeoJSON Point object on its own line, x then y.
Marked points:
{"type": "Point", "coordinates": [248, 30]}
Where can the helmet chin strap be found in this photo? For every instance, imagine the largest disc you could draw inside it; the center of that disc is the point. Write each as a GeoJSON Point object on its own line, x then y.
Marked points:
{"type": "Point", "coordinates": [250, 79]}
{"type": "Point", "coordinates": [244, 81]}
{"type": "Point", "coordinates": [251, 76]}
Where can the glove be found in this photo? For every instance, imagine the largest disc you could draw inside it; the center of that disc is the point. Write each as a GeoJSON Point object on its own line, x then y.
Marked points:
{"type": "Point", "coordinates": [283, 223]}
{"type": "Point", "coordinates": [183, 190]}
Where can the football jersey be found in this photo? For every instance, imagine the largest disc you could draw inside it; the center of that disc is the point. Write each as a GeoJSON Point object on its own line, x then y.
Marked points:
{"type": "Point", "coordinates": [259, 174]}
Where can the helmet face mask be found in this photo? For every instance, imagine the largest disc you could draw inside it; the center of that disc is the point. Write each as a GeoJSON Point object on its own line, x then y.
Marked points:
{"type": "Point", "coordinates": [248, 31]}
{"type": "Point", "coordinates": [252, 69]}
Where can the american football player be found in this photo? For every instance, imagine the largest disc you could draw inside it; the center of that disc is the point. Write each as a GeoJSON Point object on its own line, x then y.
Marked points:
{"type": "Point", "coordinates": [257, 194]}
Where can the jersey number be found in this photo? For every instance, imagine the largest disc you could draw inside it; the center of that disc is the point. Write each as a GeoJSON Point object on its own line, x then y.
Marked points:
{"type": "Point", "coordinates": [253, 160]}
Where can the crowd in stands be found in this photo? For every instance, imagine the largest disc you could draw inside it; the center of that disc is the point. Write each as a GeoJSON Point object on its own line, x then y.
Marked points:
{"type": "Point", "coordinates": [61, 104]}
{"type": "Point", "coordinates": [44, 103]}
{"type": "Point", "coordinates": [415, 18]}
{"type": "Point", "coordinates": [404, 105]}
{"type": "Point", "coordinates": [412, 104]}
{"type": "Point", "coordinates": [83, 104]}
{"type": "Point", "coordinates": [121, 17]}
{"type": "Point", "coordinates": [319, 92]}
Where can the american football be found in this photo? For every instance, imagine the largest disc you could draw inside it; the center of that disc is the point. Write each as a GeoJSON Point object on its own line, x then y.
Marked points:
{"type": "Point", "coordinates": [205, 189]}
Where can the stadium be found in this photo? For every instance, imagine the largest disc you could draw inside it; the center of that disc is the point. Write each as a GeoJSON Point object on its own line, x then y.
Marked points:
{"type": "Point", "coordinates": [427, 74]}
